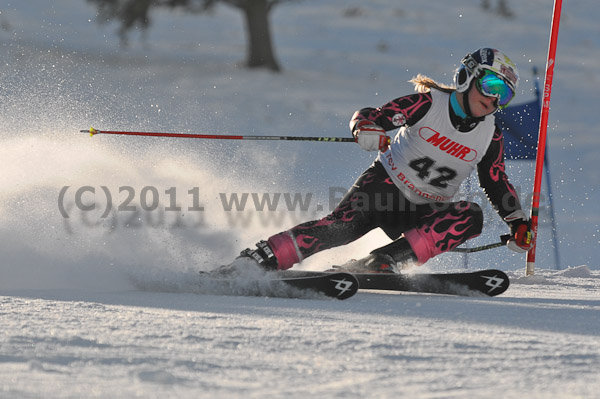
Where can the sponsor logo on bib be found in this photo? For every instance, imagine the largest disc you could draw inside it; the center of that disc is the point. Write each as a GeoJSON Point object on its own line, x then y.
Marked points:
{"type": "Point", "coordinates": [447, 145]}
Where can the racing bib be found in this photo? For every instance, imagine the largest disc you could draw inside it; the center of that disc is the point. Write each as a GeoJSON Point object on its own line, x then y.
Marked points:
{"type": "Point", "coordinates": [429, 160]}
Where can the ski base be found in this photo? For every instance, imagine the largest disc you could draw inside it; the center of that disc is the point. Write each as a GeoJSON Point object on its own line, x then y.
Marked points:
{"type": "Point", "coordinates": [490, 282]}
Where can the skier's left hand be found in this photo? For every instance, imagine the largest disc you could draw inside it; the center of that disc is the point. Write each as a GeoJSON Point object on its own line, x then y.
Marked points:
{"type": "Point", "coordinates": [522, 236]}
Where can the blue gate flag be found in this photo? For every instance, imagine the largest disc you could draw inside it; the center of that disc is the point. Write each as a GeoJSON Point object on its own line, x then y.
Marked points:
{"type": "Point", "coordinates": [520, 125]}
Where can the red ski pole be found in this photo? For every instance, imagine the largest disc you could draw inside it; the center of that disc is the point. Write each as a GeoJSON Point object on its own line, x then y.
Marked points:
{"type": "Point", "coordinates": [541, 149]}
{"type": "Point", "coordinates": [93, 132]}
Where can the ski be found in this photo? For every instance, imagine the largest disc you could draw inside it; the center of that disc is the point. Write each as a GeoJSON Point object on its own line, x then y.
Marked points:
{"type": "Point", "coordinates": [490, 282]}
{"type": "Point", "coordinates": [487, 282]}
{"type": "Point", "coordinates": [338, 285]}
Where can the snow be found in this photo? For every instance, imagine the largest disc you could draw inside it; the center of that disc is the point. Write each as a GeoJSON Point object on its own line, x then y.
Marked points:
{"type": "Point", "coordinates": [96, 306]}
{"type": "Point", "coordinates": [536, 341]}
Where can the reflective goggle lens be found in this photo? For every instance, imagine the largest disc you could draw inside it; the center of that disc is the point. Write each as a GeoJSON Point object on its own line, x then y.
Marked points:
{"type": "Point", "coordinates": [492, 85]}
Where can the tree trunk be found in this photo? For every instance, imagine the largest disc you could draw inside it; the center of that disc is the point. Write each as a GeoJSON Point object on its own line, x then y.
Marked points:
{"type": "Point", "coordinates": [260, 47]}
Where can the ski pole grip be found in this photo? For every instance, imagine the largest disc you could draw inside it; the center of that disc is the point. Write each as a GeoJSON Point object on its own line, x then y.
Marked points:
{"type": "Point", "coordinates": [504, 238]}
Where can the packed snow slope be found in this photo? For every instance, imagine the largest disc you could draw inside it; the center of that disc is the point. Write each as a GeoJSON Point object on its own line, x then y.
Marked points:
{"type": "Point", "coordinates": [538, 340]}
{"type": "Point", "coordinates": [101, 237]}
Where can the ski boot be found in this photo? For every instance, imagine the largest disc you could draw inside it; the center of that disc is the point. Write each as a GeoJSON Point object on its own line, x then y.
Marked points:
{"type": "Point", "coordinates": [249, 262]}
{"type": "Point", "coordinates": [373, 263]}
{"type": "Point", "coordinates": [263, 255]}
{"type": "Point", "coordinates": [391, 258]}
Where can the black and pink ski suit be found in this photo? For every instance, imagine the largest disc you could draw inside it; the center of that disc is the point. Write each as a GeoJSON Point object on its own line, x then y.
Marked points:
{"type": "Point", "coordinates": [407, 191]}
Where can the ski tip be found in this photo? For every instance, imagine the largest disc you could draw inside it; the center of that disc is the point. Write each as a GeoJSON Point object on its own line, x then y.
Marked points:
{"type": "Point", "coordinates": [496, 282]}
{"type": "Point", "coordinates": [334, 285]}
{"type": "Point", "coordinates": [346, 285]}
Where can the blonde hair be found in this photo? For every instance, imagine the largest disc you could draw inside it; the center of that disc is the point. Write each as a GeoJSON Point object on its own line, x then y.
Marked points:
{"type": "Point", "coordinates": [424, 84]}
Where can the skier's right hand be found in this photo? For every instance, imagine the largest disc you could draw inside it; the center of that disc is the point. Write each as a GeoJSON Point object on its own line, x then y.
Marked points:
{"type": "Point", "coordinates": [522, 236]}
{"type": "Point", "coordinates": [370, 137]}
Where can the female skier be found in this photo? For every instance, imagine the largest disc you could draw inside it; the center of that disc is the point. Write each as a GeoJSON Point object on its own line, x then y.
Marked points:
{"type": "Point", "coordinates": [444, 134]}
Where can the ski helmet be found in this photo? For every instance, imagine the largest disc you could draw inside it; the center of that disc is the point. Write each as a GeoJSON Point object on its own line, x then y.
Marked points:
{"type": "Point", "coordinates": [475, 64]}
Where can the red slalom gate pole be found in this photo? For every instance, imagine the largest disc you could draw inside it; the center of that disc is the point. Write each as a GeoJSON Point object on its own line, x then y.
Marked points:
{"type": "Point", "coordinates": [541, 149]}
{"type": "Point", "coordinates": [93, 132]}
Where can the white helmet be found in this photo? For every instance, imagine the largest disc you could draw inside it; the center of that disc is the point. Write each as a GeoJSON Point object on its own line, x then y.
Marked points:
{"type": "Point", "coordinates": [475, 65]}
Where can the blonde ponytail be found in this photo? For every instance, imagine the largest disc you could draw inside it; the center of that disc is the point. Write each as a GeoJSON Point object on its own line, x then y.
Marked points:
{"type": "Point", "coordinates": [424, 84]}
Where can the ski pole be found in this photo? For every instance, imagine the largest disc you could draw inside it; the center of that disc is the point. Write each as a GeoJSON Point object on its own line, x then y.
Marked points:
{"type": "Point", "coordinates": [93, 132]}
{"type": "Point", "coordinates": [503, 241]}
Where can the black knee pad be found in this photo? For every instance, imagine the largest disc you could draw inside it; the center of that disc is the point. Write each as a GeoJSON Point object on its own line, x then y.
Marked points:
{"type": "Point", "coordinates": [477, 214]}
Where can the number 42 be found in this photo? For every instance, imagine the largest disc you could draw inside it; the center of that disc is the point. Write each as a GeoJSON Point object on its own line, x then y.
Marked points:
{"type": "Point", "coordinates": [423, 168]}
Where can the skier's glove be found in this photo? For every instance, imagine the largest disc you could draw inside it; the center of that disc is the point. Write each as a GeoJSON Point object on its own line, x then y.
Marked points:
{"type": "Point", "coordinates": [522, 236]}
{"type": "Point", "coordinates": [370, 137]}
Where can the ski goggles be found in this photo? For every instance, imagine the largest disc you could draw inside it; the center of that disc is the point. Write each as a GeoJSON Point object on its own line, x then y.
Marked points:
{"type": "Point", "coordinates": [491, 85]}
